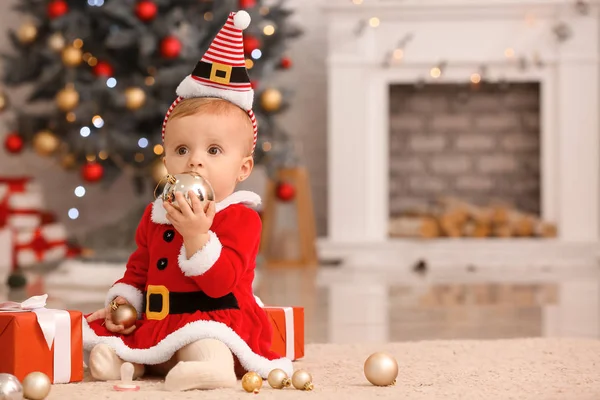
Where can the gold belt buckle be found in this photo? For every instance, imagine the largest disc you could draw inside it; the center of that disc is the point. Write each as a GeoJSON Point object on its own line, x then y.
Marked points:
{"type": "Point", "coordinates": [164, 293]}
{"type": "Point", "coordinates": [220, 68]}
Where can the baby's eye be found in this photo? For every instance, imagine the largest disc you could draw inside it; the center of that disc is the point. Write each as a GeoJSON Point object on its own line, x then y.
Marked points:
{"type": "Point", "coordinates": [182, 151]}
{"type": "Point", "coordinates": [214, 150]}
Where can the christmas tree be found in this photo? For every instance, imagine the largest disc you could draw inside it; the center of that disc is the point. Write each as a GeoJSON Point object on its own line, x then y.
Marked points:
{"type": "Point", "coordinates": [104, 72]}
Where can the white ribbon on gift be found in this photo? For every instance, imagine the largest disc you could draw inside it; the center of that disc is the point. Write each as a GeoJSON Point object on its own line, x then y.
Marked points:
{"type": "Point", "coordinates": [289, 332]}
{"type": "Point", "coordinates": [56, 327]}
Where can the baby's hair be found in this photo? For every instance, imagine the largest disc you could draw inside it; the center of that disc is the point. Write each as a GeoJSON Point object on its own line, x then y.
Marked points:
{"type": "Point", "coordinates": [201, 105]}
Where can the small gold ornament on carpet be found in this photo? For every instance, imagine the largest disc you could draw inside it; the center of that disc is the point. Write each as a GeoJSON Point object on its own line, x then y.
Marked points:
{"type": "Point", "coordinates": [302, 380]}
{"type": "Point", "coordinates": [381, 369]}
{"type": "Point", "coordinates": [123, 314]}
{"type": "Point", "coordinates": [278, 379]}
{"type": "Point", "coordinates": [10, 387]}
{"type": "Point", "coordinates": [36, 386]}
{"type": "Point", "coordinates": [252, 382]}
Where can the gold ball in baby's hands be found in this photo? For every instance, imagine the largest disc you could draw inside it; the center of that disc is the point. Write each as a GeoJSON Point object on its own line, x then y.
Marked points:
{"type": "Point", "coordinates": [252, 382]}
{"type": "Point", "coordinates": [124, 314]}
{"type": "Point", "coordinates": [302, 380]}
{"type": "Point", "coordinates": [278, 379]}
{"type": "Point", "coordinates": [183, 183]}
{"type": "Point", "coordinates": [381, 369]}
{"type": "Point", "coordinates": [36, 386]}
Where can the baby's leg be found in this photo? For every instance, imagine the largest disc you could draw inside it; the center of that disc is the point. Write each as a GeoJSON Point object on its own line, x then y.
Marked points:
{"type": "Point", "coordinates": [204, 364]}
{"type": "Point", "coordinates": [105, 365]}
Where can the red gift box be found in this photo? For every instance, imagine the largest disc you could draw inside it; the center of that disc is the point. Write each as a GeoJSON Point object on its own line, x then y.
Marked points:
{"type": "Point", "coordinates": [288, 331]}
{"type": "Point", "coordinates": [45, 340]}
{"type": "Point", "coordinates": [44, 244]}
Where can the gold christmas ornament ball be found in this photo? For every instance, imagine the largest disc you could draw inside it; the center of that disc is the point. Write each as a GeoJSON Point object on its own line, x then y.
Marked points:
{"type": "Point", "coordinates": [271, 100]}
{"type": "Point", "coordinates": [36, 386]}
{"type": "Point", "coordinates": [67, 99]}
{"type": "Point", "coordinates": [56, 42]}
{"type": "Point", "coordinates": [183, 183]}
{"type": "Point", "coordinates": [45, 143]}
{"type": "Point", "coordinates": [252, 382]}
{"type": "Point", "coordinates": [123, 314]}
{"type": "Point", "coordinates": [72, 56]}
{"type": "Point", "coordinates": [10, 387]}
{"type": "Point", "coordinates": [302, 380]}
{"type": "Point", "coordinates": [27, 32]}
{"type": "Point", "coordinates": [68, 161]}
{"type": "Point", "coordinates": [278, 379]}
{"type": "Point", "coordinates": [381, 369]}
{"type": "Point", "coordinates": [3, 102]}
{"type": "Point", "coordinates": [134, 98]}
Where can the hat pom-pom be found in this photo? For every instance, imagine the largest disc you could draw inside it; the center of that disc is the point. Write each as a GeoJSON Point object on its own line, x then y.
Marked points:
{"type": "Point", "coordinates": [241, 19]}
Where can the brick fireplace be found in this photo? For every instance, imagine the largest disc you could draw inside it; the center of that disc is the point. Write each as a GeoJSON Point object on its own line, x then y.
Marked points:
{"type": "Point", "coordinates": [532, 135]}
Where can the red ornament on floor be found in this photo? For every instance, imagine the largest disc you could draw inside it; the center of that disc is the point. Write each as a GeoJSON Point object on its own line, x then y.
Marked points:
{"type": "Point", "coordinates": [250, 43]}
{"type": "Point", "coordinates": [13, 143]}
{"type": "Point", "coordinates": [92, 172]}
{"type": "Point", "coordinates": [286, 62]}
{"type": "Point", "coordinates": [247, 3]}
{"type": "Point", "coordinates": [57, 8]}
{"type": "Point", "coordinates": [146, 10]}
{"type": "Point", "coordinates": [103, 69]}
{"type": "Point", "coordinates": [285, 191]}
{"type": "Point", "coordinates": [170, 47]}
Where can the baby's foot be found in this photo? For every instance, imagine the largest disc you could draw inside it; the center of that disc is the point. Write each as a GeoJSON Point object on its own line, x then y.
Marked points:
{"type": "Point", "coordinates": [105, 365]}
{"type": "Point", "coordinates": [188, 375]}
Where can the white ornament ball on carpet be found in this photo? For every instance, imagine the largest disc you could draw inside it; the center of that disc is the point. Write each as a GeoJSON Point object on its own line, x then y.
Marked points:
{"type": "Point", "coordinates": [381, 369]}
{"type": "Point", "coordinates": [241, 19]}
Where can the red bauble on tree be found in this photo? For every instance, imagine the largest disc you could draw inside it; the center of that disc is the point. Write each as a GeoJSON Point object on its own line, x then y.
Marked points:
{"type": "Point", "coordinates": [285, 191]}
{"type": "Point", "coordinates": [92, 172]}
{"type": "Point", "coordinates": [286, 62]}
{"type": "Point", "coordinates": [170, 47]}
{"type": "Point", "coordinates": [247, 3]}
{"type": "Point", "coordinates": [57, 8]}
{"type": "Point", "coordinates": [250, 43]}
{"type": "Point", "coordinates": [146, 10]}
{"type": "Point", "coordinates": [103, 69]}
{"type": "Point", "coordinates": [254, 84]}
{"type": "Point", "coordinates": [13, 143]}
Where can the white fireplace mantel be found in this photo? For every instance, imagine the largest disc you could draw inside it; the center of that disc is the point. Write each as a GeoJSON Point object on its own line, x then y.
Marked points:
{"type": "Point", "coordinates": [465, 35]}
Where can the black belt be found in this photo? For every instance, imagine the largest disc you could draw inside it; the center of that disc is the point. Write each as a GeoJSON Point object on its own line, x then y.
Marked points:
{"type": "Point", "coordinates": [234, 74]}
{"type": "Point", "coordinates": [158, 303]}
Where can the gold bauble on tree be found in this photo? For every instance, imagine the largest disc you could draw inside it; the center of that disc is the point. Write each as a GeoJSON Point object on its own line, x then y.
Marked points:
{"type": "Point", "coordinates": [252, 382]}
{"type": "Point", "coordinates": [67, 99]}
{"type": "Point", "coordinates": [68, 161]}
{"type": "Point", "coordinates": [271, 100]}
{"type": "Point", "coordinates": [56, 41]}
{"type": "Point", "coordinates": [45, 143]}
{"type": "Point", "coordinates": [158, 170]}
{"type": "Point", "coordinates": [71, 56]}
{"type": "Point", "coordinates": [36, 386]}
{"type": "Point", "coordinates": [3, 101]}
{"type": "Point", "coordinates": [134, 98]}
{"type": "Point", "coordinates": [27, 32]}
{"type": "Point", "coordinates": [381, 369]}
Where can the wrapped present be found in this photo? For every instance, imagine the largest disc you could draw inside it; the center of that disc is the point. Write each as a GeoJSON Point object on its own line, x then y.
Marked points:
{"type": "Point", "coordinates": [34, 338]}
{"type": "Point", "coordinates": [21, 203]}
{"type": "Point", "coordinates": [288, 331]}
{"type": "Point", "coordinates": [44, 244]}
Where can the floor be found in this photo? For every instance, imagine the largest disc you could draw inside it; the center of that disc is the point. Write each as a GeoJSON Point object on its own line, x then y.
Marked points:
{"type": "Point", "coordinates": [345, 305]}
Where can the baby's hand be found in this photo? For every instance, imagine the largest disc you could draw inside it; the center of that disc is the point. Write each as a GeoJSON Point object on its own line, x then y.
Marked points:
{"type": "Point", "coordinates": [190, 222]}
{"type": "Point", "coordinates": [104, 313]}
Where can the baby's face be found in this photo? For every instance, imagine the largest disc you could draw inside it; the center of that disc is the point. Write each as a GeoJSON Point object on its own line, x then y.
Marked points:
{"type": "Point", "coordinates": [216, 146]}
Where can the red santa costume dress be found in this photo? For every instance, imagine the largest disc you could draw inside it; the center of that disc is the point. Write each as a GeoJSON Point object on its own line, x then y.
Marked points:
{"type": "Point", "coordinates": [183, 299]}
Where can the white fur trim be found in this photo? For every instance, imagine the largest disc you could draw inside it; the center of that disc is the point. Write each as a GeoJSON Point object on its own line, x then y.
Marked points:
{"type": "Point", "coordinates": [251, 199]}
{"type": "Point", "coordinates": [241, 19]}
{"type": "Point", "coordinates": [26, 201]}
{"type": "Point", "coordinates": [189, 87]}
{"type": "Point", "coordinates": [19, 222]}
{"type": "Point", "coordinates": [203, 259]}
{"type": "Point", "coordinates": [259, 301]}
{"type": "Point", "coordinates": [132, 294]}
{"type": "Point", "coordinates": [187, 334]}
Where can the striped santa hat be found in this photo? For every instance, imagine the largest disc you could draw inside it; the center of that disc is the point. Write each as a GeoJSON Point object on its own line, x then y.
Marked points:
{"type": "Point", "coordinates": [222, 71]}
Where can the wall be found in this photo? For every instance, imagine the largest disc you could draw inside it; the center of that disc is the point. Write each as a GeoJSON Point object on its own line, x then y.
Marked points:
{"type": "Point", "coordinates": [306, 119]}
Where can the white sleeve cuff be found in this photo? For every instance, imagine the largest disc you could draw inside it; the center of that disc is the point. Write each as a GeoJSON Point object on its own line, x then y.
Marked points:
{"type": "Point", "coordinates": [204, 258]}
{"type": "Point", "coordinates": [132, 294]}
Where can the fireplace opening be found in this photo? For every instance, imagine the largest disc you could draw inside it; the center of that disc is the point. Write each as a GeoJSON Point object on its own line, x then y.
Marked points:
{"type": "Point", "coordinates": [465, 160]}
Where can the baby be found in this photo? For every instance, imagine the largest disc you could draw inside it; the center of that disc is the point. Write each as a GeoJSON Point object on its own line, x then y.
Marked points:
{"type": "Point", "coordinates": [190, 277]}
